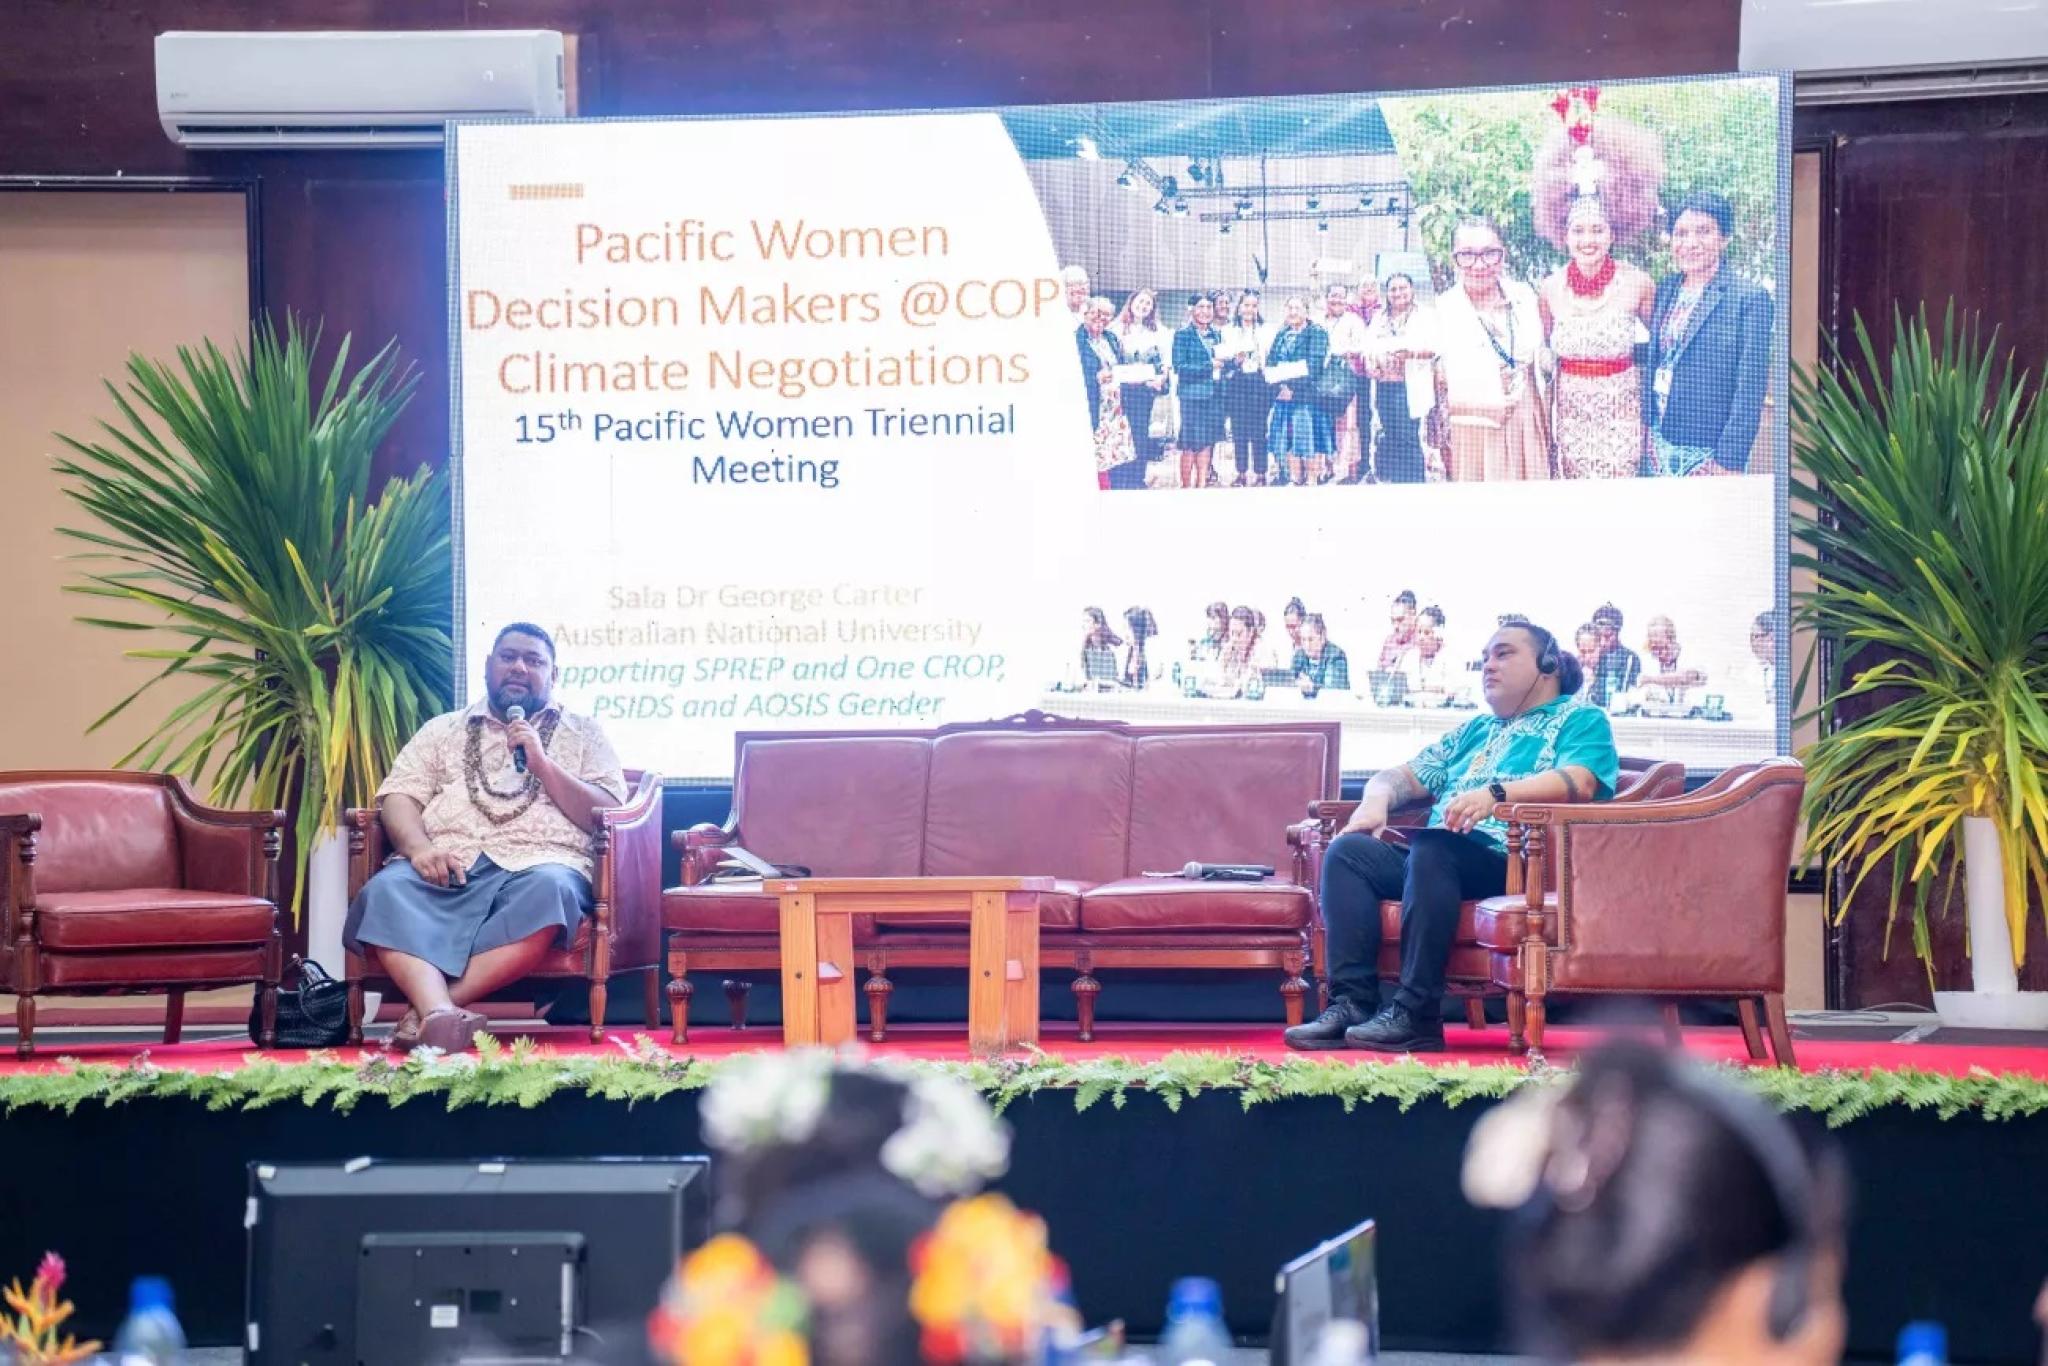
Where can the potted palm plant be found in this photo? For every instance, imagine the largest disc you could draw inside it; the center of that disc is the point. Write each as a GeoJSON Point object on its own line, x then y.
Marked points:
{"type": "Point", "coordinates": [233, 534]}
{"type": "Point", "coordinates": [1930, 477]}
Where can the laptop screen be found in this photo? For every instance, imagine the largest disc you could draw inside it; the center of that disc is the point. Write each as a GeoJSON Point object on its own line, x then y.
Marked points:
{"type": "Point", "coordinates": [1334, 1281]}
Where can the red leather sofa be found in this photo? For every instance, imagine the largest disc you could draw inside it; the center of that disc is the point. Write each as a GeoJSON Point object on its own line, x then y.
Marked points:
{"type": "Point", "coordinates": [1095, 804]}
{"type": "Point", "coordinates": [113, 883]}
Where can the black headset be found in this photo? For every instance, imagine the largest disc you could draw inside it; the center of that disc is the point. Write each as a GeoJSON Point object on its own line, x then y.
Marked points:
{"type": "Point", "coordinates": [1785, 1166]}
{"type": "Point", "coordinates": [1547, 661]}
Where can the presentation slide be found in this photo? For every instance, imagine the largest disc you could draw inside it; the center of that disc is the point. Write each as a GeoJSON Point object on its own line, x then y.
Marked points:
{"type": "Point", "coordinates": [1194, 412]}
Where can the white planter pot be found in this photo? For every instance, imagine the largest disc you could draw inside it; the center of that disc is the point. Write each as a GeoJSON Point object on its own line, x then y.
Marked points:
{"type": "Point", "coordinates": [1995, 1000]}
{"type": "Point", "coordinates": [327, 901]}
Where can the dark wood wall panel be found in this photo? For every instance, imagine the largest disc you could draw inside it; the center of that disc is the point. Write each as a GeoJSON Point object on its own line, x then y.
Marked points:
{"type": "Point", "coordinates": [1935, 202]}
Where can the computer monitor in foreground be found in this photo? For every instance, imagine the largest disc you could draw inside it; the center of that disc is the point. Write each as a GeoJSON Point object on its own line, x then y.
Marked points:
{"type": "Point", "coordinates": [1336, 1280]}
{"type": "Point", "coordinates": [431, 1262]}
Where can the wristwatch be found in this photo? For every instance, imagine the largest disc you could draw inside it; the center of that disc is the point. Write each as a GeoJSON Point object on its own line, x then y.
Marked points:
{"type": "Point", "coordinates": [1500, 794]}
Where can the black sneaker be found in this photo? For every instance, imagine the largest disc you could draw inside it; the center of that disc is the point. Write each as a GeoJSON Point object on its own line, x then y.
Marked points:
{"type": "Point", "coordinates": [1397, 1029]}
{"type": "Point", "coordinates": [1327, 1029]}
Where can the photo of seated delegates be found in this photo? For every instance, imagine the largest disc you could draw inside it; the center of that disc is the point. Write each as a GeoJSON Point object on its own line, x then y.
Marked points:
{"type": "Point", "coordinates": [1402, 617]}
{"type": "Point", "coordinates": [1762, 683]}
{"type": "Point", "coordinates": [1665, 684]}
{"type": "Point", "coordinates": [1098, 650]}
{"type": "Point", "coordinates": [1319, 663]}
{"type": "Point", "coordinates": [1618, 669]}
{"type": "Point", "coordinates": [1432, 679]}
{"type": "Point", "coordinates": [1137, 666]}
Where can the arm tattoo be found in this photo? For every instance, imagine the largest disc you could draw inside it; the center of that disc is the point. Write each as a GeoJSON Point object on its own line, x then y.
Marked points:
{"type": "Point", "coordinates": [1571, 786]}
{"type": "Point", "coordinates": [1402, 787]}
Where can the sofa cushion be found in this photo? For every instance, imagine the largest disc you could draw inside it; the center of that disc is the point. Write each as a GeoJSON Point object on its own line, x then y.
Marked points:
{"type": "Point", "coordinates": [841, 806]}
{"type": "Point", "coordinates": [1501, 923]}
{"type": "Point", "coordinates": [1467, 932]}
{"type": "Point", "coordinates": [1059, 909]}
{"type": "Point", "coordinates": [1040, 805]}
{"type": "Point", "coordinates": [150, 918]}
{"type": "Point", "coordinates": [1467, 963]}
{"type": "Point", "coordinates": [1222, 797]}
{"type": "Point", "coordinates": [217, 965]}
{"type": "Point", "coordinates": [1169, 904]}
{"type": "Point", "coordinates": [98, 835]}
{"type": "Point", "coordinates": [734, 906]}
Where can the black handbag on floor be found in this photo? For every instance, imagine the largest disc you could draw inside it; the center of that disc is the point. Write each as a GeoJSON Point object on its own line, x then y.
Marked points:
{"type": "Point", "coordinates": [313, 1014]}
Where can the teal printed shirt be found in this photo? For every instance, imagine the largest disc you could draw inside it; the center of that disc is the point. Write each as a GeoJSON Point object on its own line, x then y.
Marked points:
{"type": "Point", "coordinates": [1566, 733]}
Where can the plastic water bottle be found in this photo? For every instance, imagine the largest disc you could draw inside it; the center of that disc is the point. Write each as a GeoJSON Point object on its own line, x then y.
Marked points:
{"type": "Point", "coordinates": [1344, 1342]}
{"type": "Point", "coordinates": [1923, 1344]}
{"type": "Point", "coordinates": [1195, 1335]}
{"type": "Point", "coordinates": [151, 1335]}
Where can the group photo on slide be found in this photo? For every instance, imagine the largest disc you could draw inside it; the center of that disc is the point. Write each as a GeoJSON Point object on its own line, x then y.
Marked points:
{"type": "Point", "coordinates": [1576, 284]}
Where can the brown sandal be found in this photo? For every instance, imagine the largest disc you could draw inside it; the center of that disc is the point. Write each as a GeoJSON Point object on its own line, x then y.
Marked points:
{"type": "Point", "coordinates": [451, 1029]}
{"type": "Point", "coordinates": [405, 1035]}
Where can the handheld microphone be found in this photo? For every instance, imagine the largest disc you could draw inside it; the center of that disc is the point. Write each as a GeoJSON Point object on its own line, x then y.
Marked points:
{"type": "Point", "coordinates": [518, 751]}
{"type": "Point", "coordinates": [1226, 872]}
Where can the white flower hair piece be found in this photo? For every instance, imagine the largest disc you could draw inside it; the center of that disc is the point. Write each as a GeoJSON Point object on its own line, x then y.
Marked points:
{"type": "Point", "coordinates": [766, 1099]}
{"type": "Point", "coordinates": [1511, 1146]}
{"type": "Point", "coordinates": [951, 1143]}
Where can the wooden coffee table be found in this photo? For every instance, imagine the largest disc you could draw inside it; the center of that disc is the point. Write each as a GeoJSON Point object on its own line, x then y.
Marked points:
{"type": "Point", "coordinates": [1002, 950]}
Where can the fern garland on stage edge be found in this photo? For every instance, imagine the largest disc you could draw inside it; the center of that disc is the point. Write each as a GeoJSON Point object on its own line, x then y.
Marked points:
{"type": "Point", "coordinates": [526, 1075]}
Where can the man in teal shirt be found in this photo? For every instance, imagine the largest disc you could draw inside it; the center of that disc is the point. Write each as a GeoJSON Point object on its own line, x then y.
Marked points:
{"type": "Point", "coordinates": [1540, 743]}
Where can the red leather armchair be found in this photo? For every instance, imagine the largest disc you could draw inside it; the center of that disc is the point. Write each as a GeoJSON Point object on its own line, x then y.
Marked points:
{"type": "Point", "coordinates": [622, 934]}
{"type": "Point", "coordinates": [1470, 971]}
{"type": "Point", "coordinates": [117, 883]}
{"type": "Point", "coordinates": [1680, 897]}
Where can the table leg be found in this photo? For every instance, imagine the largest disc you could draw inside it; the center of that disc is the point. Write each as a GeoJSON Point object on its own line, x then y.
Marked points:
{"type": "Point", "coordinates": [799, 970]}
{"type": "Point", "coordinates": [1020, 961]}
{"type": "Point", "coordinates": [987, 982]}
{"type": "Point", "coordinates": [835, 968]}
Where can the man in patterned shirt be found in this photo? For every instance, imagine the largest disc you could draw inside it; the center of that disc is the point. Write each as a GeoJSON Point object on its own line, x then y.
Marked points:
{"type": "Point", "coordinates": [493, 861]}
{"type": "Point", "coordinates": [1540, 743]}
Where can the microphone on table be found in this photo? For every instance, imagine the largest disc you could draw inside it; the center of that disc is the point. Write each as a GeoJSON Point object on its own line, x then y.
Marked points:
{"type": "Point", "coordinates": [514, 714]}
{"type": "Point", "coordinates": [1221, 872]}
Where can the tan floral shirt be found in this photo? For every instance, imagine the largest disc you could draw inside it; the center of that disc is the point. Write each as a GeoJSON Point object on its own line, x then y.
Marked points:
{"type": "Point", "coordinates": [430, 770]}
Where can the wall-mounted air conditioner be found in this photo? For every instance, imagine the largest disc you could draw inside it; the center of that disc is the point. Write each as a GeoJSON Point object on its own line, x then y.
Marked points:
{"type": "Point", "coordinates": [291, 90]}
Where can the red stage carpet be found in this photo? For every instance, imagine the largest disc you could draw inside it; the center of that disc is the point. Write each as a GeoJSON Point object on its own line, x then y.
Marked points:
{"type": "Point", "coordinates": [1134, 1042]}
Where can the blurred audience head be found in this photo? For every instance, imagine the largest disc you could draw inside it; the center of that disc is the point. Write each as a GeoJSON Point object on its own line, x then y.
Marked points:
{"type": "Point", "coordinates": [1661, 1213]}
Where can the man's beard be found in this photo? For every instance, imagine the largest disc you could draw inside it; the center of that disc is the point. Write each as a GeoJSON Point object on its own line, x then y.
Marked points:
{"type": "Point", "coordinates": [532, 700]}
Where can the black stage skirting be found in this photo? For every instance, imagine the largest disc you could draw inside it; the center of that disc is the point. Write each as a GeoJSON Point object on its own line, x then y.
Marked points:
{"type": "Point", "coordinates": [1949, 1223]}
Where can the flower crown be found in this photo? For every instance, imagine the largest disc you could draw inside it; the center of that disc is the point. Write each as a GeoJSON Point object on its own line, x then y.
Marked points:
{"type": "Point", "coordinates": [949, 1141]}
{"type": "Point", "coordinates": [985, 1288]}
{"type": "Point", "coordinates": [727, 1306]}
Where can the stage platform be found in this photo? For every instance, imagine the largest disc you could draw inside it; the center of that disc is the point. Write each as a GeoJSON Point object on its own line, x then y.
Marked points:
{"type": "Point", "coordinates": [1154, 1151]}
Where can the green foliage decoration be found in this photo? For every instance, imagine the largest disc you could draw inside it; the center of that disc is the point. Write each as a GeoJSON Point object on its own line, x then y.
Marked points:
{"type": "Point", "coordinates": [525, 1075]}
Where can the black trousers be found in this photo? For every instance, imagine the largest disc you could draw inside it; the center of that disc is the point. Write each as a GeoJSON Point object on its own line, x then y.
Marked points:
{"type": "Point", "coordinates": [1431, 878]}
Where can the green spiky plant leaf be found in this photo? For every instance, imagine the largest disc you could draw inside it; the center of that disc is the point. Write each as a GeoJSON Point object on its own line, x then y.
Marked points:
{"type": "Point", "coordinates": [1932, 590]}
{"type": "Point", "coordinates": [232, 525]}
